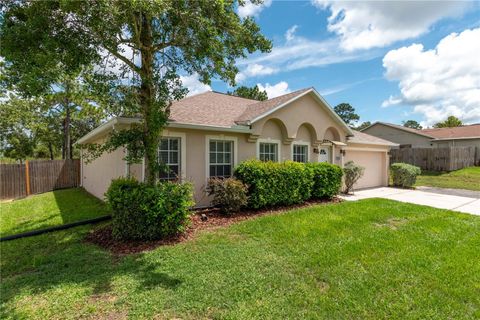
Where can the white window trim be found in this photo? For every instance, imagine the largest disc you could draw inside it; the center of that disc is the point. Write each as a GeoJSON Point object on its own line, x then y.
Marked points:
{"type": "Point", "coordinates": [269, 140]}
{"type": "Point", "coordinates": [301, 143]}
{"type": "Point", "coordinates": [220, 137]}
{"type": "Point", "coordinates": [183, 150]}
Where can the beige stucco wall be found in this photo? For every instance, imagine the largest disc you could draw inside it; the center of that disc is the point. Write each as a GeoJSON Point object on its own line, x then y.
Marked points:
{"type": "Point", "coordinates": [398, 136]}
{"type": "Point", "coordinates": [97, 175]}
{"type": "Point", "coordinates": [374, 159]}
{"type": "Point", "coordinates": [303, 121]}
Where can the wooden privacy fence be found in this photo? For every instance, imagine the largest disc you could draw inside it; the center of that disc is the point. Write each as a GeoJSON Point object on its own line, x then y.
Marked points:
{"type": "Point", "coordinates": [436, 159]}
{"type": "Point", "coordinates": [20, 180]}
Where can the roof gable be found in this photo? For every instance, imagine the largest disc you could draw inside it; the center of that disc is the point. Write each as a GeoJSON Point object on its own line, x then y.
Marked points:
{"type": "Point", "coordinates": [398, 127]}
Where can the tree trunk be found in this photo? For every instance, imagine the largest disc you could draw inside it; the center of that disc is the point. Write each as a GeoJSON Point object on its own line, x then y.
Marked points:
{"type": "Point", "coordinates": [67, 154]}
{"type": "Point", "coordinates": [50, 150]}
{"type": "Point", "coordinates": [151, 126]}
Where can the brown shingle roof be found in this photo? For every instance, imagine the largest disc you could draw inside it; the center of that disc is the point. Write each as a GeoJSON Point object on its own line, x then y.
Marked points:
{"type": "Point", "coordinates": [468, 131]}
{"type": "Point", "coordinates": [209, 108]}
{"type": "Point", "coordinates": [257, 109]}
{"type": "Point", "coordinates": [361, 137]}
{"type": "Point", "coordinates": [222, 110]}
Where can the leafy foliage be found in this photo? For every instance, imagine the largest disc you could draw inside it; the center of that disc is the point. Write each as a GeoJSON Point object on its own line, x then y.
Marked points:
{"type": "Point", "coordinates": [412, 124]}
{"type": "Point", "coordinates": [363, 125]}
{"type": "Point", "coordinates": [327, 179]}
{"type": "Point", "coordinates": [229, 194]}
{"type": "Point", "coordinates": [451, 122]}
{"type": "Point", "coordinates": [249, 93]}
{"type": "Point", "coordinates": [146, 212]}
{"type": "Point", "coordinates": [347, 113]}
{"type": "Point", "coordinates": [138, 49]}
{"type": "Point", "coordinates": [404, 175]}
{"type": "Point", "coordinates": [274, 184]}
{"type": "Point", "coordinates": [352, 173]}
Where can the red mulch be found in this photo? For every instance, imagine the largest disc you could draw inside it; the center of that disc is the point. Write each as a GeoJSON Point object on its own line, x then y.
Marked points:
{"type": "Point", "coordinates": [103, 236]}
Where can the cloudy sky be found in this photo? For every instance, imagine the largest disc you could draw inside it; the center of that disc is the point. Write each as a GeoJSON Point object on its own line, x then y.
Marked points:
{"type": "Point", "coordinates": [392, 61]}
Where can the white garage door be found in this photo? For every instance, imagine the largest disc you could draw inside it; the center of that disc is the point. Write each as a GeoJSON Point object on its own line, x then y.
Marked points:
{"type": "Point", "coordinates": [374, 164]}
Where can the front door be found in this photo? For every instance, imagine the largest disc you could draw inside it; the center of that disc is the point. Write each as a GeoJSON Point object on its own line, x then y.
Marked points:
{"type": "Point", "coordinates": [324, 154]}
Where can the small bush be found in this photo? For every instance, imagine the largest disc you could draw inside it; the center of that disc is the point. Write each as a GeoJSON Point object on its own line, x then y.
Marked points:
{"type": "Point", "coordinates": [144, 212]}
{"type": "Point", "coordinates": [230, 194]}
{"type": "Point", "coordinates": [327, 179]}
{"type": "Point", "coordinates": [352, 172]}
{"type": "Point", "coordinates": [404, 175]}
{"type": "Point", "coordinates": [274, 184]}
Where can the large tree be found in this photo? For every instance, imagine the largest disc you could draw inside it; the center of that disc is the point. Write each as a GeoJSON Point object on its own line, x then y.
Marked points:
{"type": "Point", "coordinates": [138, 47]}
{"type": "Point", "coordinates": [250, 93]}
{"type": "Point", "coordinates": [412, 124]}
{"type": "Point", "coordinates": [347, 113]}
{"type": "Point", "coordinates": [363, 125]}
{"type": "Point", "coordinates": [451, 122]}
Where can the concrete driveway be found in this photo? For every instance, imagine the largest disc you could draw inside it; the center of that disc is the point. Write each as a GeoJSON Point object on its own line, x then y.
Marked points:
{"type": "Point", "coordinates": [457, 200]}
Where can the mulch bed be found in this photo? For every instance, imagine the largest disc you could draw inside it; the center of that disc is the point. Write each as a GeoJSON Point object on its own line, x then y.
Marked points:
{"type": "Point", "coordinates": [215, 219]}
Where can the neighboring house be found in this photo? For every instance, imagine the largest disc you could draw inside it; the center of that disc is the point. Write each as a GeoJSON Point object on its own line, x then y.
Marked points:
{"type": "Point", "coordinates": [468, 135]}
{"type": "Point", "coordinates": [210, 133]}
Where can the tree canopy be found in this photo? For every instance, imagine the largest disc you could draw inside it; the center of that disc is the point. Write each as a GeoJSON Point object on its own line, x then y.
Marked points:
{"type": "Point", "coordinates": [451, 122]}
{"type": "Point", "coordinates": [363, 125]}
{"type": "Point", "coordinates": [250, 93]}
{"type": "Point", "coordinates": [347, 113]}
{"type": "Point", "coordinates": [412, 124]}
{"type": "Point", "coordinates": [138, 49]}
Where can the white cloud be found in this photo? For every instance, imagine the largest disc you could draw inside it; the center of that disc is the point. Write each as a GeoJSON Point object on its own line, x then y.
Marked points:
{"type": "Point", "coordinates": [391, 101]}
{"type": "Point", "coordinates": [252, 10]}
{"type": "Point", "coordinates": [290, 34]}
{"type": "Point", "coordinates": [300, 53]}
{"type": "Point", "coordinates": [254, 70]}
{"type": "Point", "coordinates": [369, 24]}
{"type": "Point", "coordinates": [194, 85]}
{"type": "Point", "coordinates": [439, 82]}
{"type": "Point", "coordinates": [274, 90]}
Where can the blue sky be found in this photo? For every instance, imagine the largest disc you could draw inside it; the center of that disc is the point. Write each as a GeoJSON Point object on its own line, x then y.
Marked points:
{"type": "Point", "coordinates": [392, 61]}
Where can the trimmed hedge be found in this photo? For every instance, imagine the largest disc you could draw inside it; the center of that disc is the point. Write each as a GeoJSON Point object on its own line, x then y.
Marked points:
{"type": "Point", "coordinates": [327, 179]}
{"type": "Point", "coordinates": [273, 184]}
{"type": "Point", "coordinates": [144, 212]}
{"type": "Point", "coordinates": [404, 175]}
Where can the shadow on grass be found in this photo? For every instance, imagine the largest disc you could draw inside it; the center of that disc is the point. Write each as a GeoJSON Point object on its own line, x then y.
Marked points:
{"type": "Point", "coordinates": [34, 266]}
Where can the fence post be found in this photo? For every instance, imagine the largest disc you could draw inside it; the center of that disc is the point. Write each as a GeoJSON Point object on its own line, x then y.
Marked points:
{"type": "Point", "coordinates": [27, 178]}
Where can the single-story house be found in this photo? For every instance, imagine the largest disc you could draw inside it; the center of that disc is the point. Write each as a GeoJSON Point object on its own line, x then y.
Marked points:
{"type": "Point", "coordinates": [463, 136]}
{"type": "Point", "coordinates": [210, 133]}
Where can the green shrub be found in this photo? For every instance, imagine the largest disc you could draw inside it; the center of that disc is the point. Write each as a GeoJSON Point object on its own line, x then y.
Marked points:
{"type": "Point", "coordinates": [404, 175]}
{"type": "Point", "coordinates": [230, 194]}
{"type": "Point", "coordinates": [144, 212]}
{"type": "Point", "coordinates": [327, 179]}
{"type": "Point", "coordinates": [273, 184]}
{"type": "Point", "coordinates": [352, 172]}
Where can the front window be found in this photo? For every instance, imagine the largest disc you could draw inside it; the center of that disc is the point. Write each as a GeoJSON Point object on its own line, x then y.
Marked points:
{"type": "Point", "coordinates": [268, 152]}
{"type": "Point", "coordinates": [221, 158]}
{"type": "Point", "coordinates": [169, 157]}
{"type": "Point", "coordinates": [300, 153]}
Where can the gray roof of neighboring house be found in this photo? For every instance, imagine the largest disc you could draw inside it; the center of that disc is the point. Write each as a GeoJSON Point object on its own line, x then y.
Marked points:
{"type": "Point", "coordinates": [363, 138]}
{"type": "Point", "coordinates": [396, 126]}
{"type": "Point", "coordinates": [461, 132]}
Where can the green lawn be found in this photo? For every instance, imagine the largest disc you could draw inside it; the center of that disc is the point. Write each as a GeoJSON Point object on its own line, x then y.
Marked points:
{"type": "Point", "coordinates": [467, 178]}
{"type": "Point", "coordinates": [49, 209]}
{"type": "Point", "coordinates": [354, 260]}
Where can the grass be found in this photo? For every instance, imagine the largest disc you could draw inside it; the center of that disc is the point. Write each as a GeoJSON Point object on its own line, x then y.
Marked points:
{"type": "Point", "coordinates": [466, 178]}
{"type": "Point", "coordinates": [49, 209]}
{"type": "Point", "coordinates": [369, 259]}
